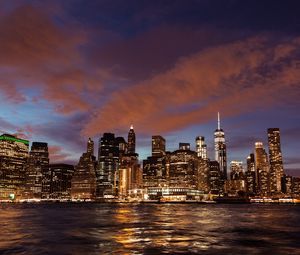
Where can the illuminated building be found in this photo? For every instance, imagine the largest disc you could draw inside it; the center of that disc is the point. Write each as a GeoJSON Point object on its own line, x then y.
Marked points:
{"type": "Point", "coordinates": [37, 176]}
{"type": "Point", "coordinates": [184, 146]}
{"type": "Point", "coordinates": [90, 146]}
{"type": "Point", "coordinates": [183, 168]}
{"type": "Point", "coordinates": [262, 169]}
{"type": "Point", "coordinates": [296, 185]}
{"type": "Point", "coordinates": [158, 146]}
{"type": "Point", "coordinates": [122, 146]}
{"type": "Point", "coordinates": [130, 175]}
{"type": "Point", "coordinates": [215, 178]}
{"type": "Point", "coordinates": [276, 166]}
{"type": "Point", "coordinates": [220, 149]}
{"type": "Point", "coordinates": [250, 175]}
{"type": "Point", "coordinates": [235, 187]}
{"type": "Point", "coordinates": [201, 147]}
{"type": "Point", "coordinates": [13, 157]}
{"type": "Point", "coordinates": [287, 184]}
{"type": "Point", "coordinates": [203, 183]}
{"type": "Point", "coordinates": [61, 180]}
{"type": "Point", "coordinates": [108, 165]}
{"type": "Point", "coordinates": [131, 141]}
{"type": "Point", "coordinates": [236, 170]}
{"type": "Point", "coordinates": [236, 183]}
{"type": "Point", "coordinates": [154, 170]}
{"type": "Point", "coordinates": [83, 185]}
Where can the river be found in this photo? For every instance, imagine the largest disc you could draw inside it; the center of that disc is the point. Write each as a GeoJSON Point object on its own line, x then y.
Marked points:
{"type": "Point", "coordinates": [91, 228]}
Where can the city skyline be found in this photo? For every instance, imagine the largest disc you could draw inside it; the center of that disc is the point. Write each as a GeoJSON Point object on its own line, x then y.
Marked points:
{"type": "Point", "coordinates": [70, 71]}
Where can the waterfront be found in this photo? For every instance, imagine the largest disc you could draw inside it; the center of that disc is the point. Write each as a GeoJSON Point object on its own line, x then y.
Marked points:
{"type": "Point", "coordinates": [89, 228]}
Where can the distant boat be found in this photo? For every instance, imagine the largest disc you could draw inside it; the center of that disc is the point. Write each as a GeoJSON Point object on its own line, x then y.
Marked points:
{"type": "Point", "coordinates": [232, 200]}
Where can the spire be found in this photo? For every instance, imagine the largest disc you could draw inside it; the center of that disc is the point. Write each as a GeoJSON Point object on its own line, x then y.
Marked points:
{"type": "Point", "coordinates": [219, 126]}
{"type": "Point", "coordinates": [131, 126]}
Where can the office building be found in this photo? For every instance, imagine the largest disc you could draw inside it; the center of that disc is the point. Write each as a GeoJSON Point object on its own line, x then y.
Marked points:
{"type": "Point", "coordinates": [250, 175]}
{"type": "Point", "coordinates": [61, 180]}
{"type": "Point", "coordinates": [201, 147]}
{"type": "Point", "coordinates": [220, 149]}
{"type": "Point", "coordinates": [131, 141]}
{"type": "Point", "coordinates": [276, 166]}
{"type": "Point", "coordinates": [83, 185]}
{"type": "Point", "coordinates": [158, 146]}
{"type": "Point", "coordinates": [13, 157]}
{"type": "Point", "coordinates": [262, 170]}
{"type": "Point", "coordinates": [37, 174]}
{"type": "Point", "coordinates": [108, 165]}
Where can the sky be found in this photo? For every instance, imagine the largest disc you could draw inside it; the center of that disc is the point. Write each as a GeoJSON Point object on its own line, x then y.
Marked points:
{"type": "Point", "coordinates": [75, 69]}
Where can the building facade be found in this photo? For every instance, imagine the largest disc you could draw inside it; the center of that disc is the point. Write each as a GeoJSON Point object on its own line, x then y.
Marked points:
{"type": "Point", "coordinates": [276, 165]}
{"type": "Point", "coordinates": [13, 158]}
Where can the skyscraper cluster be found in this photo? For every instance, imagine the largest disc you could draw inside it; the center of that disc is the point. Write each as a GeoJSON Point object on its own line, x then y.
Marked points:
{"type": "Point", "coordinates": [183, 174]}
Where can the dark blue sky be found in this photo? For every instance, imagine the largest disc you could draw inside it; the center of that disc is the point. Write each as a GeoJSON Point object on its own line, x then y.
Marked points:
{"type": "Point", "coordinates": [74, 69]}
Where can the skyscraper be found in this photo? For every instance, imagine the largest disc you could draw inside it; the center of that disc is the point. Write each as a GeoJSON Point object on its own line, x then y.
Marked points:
{"type": "Point", "coordinates": [108, 165]}
{"type": "Point", "coordinates": [83, 185]}
{"type": "Point", "coordinates": [220, 149]}
{"type": "Point", "coordinates": [13, 156]}
{"type": "Point", "coordinates": [262, 169]}
{"type": "Point", "coordinates": [201, 147]}
{"type": "Point", "coordinates": [250, 175]}
{"type": "Point", "coordinates": [61, 181]}
{"type": "Point", "coordinates": [276, 165]}
{"type": "Point", "coordinates": [37, 175]}
{"type": "Point", "coordinates": [131, 141]}
{"type": "Point", "coordinates": [158, 146]}
{"type": "Point", "coordinates": [90, 146]}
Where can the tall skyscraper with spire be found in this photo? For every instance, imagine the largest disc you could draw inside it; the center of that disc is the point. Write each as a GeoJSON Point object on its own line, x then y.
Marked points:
{"type": "Point", "coordinates": [276, 166]}
{"type": "Point", "coordinates": [131, 141]}
{"type": "Point", "coordinates": [220, 148]}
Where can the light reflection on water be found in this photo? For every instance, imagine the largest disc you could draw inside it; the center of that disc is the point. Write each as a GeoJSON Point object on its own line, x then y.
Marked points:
{"type": "Point", "coordinates": [149, 229]}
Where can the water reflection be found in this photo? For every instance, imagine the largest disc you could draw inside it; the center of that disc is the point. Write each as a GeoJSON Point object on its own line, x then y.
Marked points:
{"type": "Point", "coordinates": [149, 229]}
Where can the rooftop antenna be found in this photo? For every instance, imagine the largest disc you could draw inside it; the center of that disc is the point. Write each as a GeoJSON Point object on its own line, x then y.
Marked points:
{"type": "Point", "coordinates": [219, 126]}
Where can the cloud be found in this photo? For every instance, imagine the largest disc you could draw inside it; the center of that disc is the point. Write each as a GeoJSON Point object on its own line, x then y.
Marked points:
{"type": "Point", "coordinates": [58, 155]}
{"type": "Point", "coordinates": [39, 54]}
{"type": "Point", "coordinates": [232, 78]}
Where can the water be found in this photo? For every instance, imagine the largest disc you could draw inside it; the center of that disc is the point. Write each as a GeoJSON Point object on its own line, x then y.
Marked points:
{"type": "Point", "coordinates": [149, 229]}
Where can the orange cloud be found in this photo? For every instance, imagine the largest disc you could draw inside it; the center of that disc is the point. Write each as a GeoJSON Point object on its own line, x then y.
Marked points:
{"type": "Point", "coordinates": [37, 53]}
{"type": "Point", "coordinates": [231, 78]}
{"type": "Point", "coordinates": [57, 155]}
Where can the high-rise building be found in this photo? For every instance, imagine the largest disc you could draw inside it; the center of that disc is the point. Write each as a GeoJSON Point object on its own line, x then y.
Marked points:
{"type": "Point", "coordinates": [90, 146]}
{"type": "Point", "coordinates": [220, 149]}
{"type": "Point", "coordinates": [236, 183]}
{"type": "Point", "coordinates": [287, 184]}
{"type": "Point", "coordinates": [184, 146]}
{"type": "Point", "coordinates": [61, 181]}
{"type": "Point", "coordinates": [37, 175]}
{"type": "Point", "coordinates": [201, 147]}
{"type": "Point", "coordinates": [131, 141]}
{"type": "Point", "coordinates": [154, 170]}
{"type": "Point", "coordinates": [262, 170]}
{"type": "Point", "coordinates": [13, 157]}
{"type": "Point", "coordinates": [83, 185]}
{"type": "Point", "coordinates": [203, 175]}
{"type": "Point", "coordinates": [276, 166]}
{"type": "Point", "coordinates": [250, 175]}
{"type": "Point", "coordinates": [108, 165]}
{"type": "Point", "coordinates": [236, 170]}
{"type": "Point", "coordinates": [183, 169]}
{"type": "Point", "coordinates": [215, 178]}
{"type": "Point", "coordinates": [158, 146]}
{"type": "Point", "coordinates": [130, 175]}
